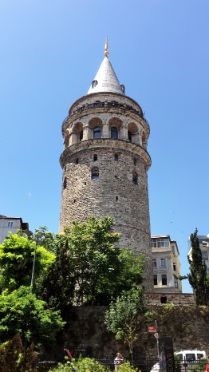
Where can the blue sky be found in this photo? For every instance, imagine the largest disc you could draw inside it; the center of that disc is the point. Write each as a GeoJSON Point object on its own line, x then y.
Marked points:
{"type": "Point", "coordinates": [50, 51]}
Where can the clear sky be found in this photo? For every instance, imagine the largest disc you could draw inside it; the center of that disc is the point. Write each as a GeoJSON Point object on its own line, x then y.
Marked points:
{"type": "Point", "coordinates": [50, 51]}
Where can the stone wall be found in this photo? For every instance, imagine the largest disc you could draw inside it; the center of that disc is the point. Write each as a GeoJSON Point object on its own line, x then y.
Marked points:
{"type": "Point", "coordinates": [186, 324]}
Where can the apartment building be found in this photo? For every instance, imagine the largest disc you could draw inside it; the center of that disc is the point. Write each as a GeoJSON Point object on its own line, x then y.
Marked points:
{"type": "Point", "coordinates": [166, 264]}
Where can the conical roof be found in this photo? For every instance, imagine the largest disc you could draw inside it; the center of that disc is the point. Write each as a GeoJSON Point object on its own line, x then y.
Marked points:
{"type": "Point", "coordinates": [106, 79]}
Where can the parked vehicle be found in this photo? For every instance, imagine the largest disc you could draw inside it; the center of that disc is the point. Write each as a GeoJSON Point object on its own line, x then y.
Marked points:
{"type": "Point", "coordinates": [188, 356]}
{"type": "Point", "coordinates": [191, 355]}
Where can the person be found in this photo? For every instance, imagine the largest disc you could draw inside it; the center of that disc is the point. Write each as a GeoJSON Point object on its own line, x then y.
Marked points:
{"type": "Point", "coordinates": [207, 365]}
{"type": "Point", "coordinates": [118, 361]}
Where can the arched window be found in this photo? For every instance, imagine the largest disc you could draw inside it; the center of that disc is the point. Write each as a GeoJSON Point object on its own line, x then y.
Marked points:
{"type": "Point", "coordinates": [133, 133]}
{"type": "Point", "coordinates": [114, 133]}
{"type": "Point", "coordinates": [95, 157]}
{"type": "Point", "coordinates": [129, 136]}
{"type": "Point", "coordinates": [94, 83]}
{"type": "Point", "coordinates": [81, 135]}
{"type": "Point", "coordinates": [95, 173]}
{"type": "Point", "coordinates": [135, 178]}
{"type": "Point", "coordinates": [97, 132]}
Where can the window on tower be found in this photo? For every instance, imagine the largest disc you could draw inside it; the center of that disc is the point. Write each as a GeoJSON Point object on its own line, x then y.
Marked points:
{"type": "Point", "coordinates": [65, 183]}
{"type": "Point", "coordinates": [116, 157]}
{"type": "Point", "coordinates": [114, 133]}
{"type": "Point", "coordinates": [81, 135]}
{"type": "Point", "coordinates": [94, 83]}
{"type": "Point", "coordinates": [135, 178]}
{"type": "Point", "coordinates": [95, 173]}
{"type": "Point", "coordinates": [97, 132]}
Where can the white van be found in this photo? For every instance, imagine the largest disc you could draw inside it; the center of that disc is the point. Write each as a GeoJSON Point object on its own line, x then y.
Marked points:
{"type": "Point", "coordinates": [191, 355]}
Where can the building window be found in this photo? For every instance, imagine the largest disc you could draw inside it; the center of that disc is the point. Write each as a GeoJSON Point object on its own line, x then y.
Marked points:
{"type": "Point", "coordinates": [157, 243]}
{"type": "Point", "coordinates": [135, 178]}
{"type": "Point", "coordinates": [97, 132]}
{"type": "Point", "coordinates": [129, 136]}
{"type": "Point", "coordinates": [95, 173]}
{"type": "Point", "coordinates": [174, 267]}
{"type": "Point", "coordinates": [176, 283]}
{"type": "Point", "coordinates": [163, 300]}
{"type": "Point", "coordinates": [65, 183]}
{"type": "Point", "coordinates": [95, 157]}
{"type": "Point", "coordinates": [116, 157]}
{"type": "Point", "coordinates": [162, 262]}
{"type": "Point", "coordinates": [94, 83]}
{"type": "Point", "coordinates": [154, 262]}
{"type": "Point", "coordinates": [155, 279]}
{"type": "Point", "coordinates": [116, 198]}
{"type": "Point", "coordinates": [135, 161]}
{"type": "Point", "coordinates": [114, 133]}
{"type": "Point", "coordinates": [81, 135]}
{"type": "Point", "coordinates": [164, 279]}
{"type": "Point", "coordinates": [10, 223]}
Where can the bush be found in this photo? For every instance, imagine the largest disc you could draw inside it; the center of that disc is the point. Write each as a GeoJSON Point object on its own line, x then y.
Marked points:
{"type": "Point", "coordinates": [91, 365]}
{"type": "Point", "coordinates": [126, 367]}
{"type": "Point", "coordinates": [82, 365]}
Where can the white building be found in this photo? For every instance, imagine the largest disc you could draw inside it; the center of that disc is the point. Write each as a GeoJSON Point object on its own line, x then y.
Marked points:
{"type": "Point", "coordinates": [166, 264]}
{"type": "Point", "coordinates": [11, 225]}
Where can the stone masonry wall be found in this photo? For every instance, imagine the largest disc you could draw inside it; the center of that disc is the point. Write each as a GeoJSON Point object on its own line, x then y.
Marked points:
{"type": "Point", "coordinates": [87, 335]}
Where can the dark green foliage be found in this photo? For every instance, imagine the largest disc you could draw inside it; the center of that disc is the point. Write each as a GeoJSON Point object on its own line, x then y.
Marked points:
{"type": "Point", "coordinates": [198, 272]}
{"type": "Point", "coordinates": [21, 312]}
{"type": "Point", "coordinates": [14, 357]}
{"type": "Point", "coordinates": [89, 267]}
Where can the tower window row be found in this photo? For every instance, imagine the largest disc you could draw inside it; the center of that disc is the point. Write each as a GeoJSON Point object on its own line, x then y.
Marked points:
{"type": "Point", "coordinates": [115, 157]}
{"type": "Point", "coordinates": [115, 129]}
{"type": "Point", "coordinates": [95, 176]}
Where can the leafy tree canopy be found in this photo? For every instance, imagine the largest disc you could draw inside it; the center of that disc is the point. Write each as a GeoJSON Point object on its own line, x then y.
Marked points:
{"type": "Point", "coordinates": [122, 317]}
{"type": "Point", "coordinates": [89, 267]}
{"type": "Point", "coordinates": [22, 313]}
{"type": "Point", "coordinates": [16, 261]}
{"type": "Point", "coordinates": [45, 239]}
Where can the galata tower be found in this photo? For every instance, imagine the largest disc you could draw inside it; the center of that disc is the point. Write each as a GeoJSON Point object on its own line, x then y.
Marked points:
{"type": "Point", "coordinates": [105, 162]}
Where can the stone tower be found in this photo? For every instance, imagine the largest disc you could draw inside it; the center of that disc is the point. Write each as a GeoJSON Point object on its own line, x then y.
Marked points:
{"type": "Point", "coordinates": [105, 162]}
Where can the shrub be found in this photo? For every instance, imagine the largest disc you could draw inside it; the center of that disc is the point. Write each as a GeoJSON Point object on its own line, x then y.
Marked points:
{"type": "Point", "coordinates": [126, 367]}
{"type": "Point", "coordinates": [82, 365]}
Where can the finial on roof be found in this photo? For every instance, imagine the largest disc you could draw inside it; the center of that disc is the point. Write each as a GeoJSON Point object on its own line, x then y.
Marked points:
{"type": "Point", "coordinates": [106, 51]}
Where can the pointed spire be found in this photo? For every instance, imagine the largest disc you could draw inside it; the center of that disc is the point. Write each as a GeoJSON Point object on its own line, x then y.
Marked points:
{"type": "Point", "coordinates": [106, 79]}
{"type": "Point", "coordinates": [106, 51]}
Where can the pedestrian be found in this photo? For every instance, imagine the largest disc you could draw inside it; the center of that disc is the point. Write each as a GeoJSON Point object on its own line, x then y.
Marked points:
{"type": "Point", "coordinates": [118, 361]}
{"type": "Point", "coordinates": [207, 365]}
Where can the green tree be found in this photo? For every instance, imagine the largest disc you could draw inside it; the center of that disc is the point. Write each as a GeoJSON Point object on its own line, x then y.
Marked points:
{"type": "Point", "coordinates": [21, 312]}
{"type": "Point", "coordinates": [198, 277]}
{"type": "Point", "coordinates": [89, 267]}
{"type": "Point", "coordinates": [16, 261]}
{"type": "Point", "coordinates": [123, 317]}
{"type": "Point", "coordinates": [45, 238]}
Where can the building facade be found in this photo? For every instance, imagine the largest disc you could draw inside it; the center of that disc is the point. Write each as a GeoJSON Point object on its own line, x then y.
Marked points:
{"type": "Point", "coordinates": [11, 225]}
{"type": "Point", "coordinates": [166, 265]}
{"type": "Point", "coordinates": [105, 162]}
